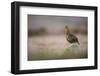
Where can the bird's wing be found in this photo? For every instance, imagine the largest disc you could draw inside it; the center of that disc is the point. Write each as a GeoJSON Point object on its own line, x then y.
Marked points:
{"type": "Point", "coordinates": [72, 37]}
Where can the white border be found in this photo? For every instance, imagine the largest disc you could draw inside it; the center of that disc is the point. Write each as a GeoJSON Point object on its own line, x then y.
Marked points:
{"type": "Point", "coordinates": [26, 65]}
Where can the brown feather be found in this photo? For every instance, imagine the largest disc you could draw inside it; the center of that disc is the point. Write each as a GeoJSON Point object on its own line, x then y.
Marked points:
{"type": "Point", "coordinates": [70, 37]}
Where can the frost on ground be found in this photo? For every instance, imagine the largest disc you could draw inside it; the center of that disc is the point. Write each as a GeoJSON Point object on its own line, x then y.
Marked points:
{"type": "Point", "coordinates": [50, 47]}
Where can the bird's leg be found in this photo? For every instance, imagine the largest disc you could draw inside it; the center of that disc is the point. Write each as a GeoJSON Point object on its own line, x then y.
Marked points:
{"type": "Point", "coordinates": [74, 46]}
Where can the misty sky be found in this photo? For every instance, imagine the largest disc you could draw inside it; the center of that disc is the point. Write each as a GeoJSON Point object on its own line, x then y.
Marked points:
{"type": "Point", "coordinates": [37, 21]}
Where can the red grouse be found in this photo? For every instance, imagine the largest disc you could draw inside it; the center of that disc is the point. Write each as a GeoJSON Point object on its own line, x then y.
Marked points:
{"type": "Point", "coordinates": [70, 37]}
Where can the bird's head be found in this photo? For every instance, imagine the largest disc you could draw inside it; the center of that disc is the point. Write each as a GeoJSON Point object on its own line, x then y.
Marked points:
{"type": "Point", "coordinates": [67, 29]}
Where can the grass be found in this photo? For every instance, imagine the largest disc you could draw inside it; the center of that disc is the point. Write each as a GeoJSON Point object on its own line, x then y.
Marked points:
{"type": "Point", "coordinates": [49, 54]}
{"type": "Point", "coordinates": [55, 47]}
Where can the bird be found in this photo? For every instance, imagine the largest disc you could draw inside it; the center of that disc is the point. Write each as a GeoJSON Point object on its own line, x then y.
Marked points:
{"type": "Point", "coordinates": [71, 38]}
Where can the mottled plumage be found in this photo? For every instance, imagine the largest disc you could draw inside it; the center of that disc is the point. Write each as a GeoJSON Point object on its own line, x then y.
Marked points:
{"type": "Point", "coordinates": [70, 37]}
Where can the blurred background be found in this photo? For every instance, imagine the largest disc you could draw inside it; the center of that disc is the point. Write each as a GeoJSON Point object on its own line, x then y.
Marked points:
{"type": "Point", "coordinates": [47, 39]}
{"type": "Point", "coordinates": [38, 24]}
